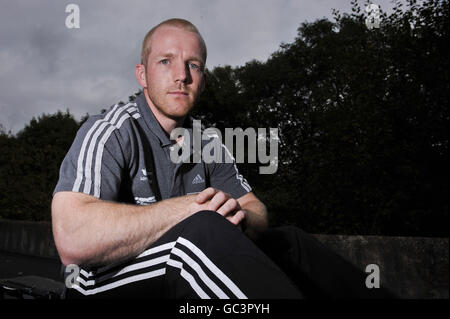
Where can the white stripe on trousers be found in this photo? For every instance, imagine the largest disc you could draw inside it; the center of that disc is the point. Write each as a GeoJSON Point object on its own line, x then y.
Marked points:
{"type": "Point", "coordinates": [213, 268]}
{"type": "Point", "coordinates": [189, 278]}
{"type": "Point", "coordinates": [206, 262]}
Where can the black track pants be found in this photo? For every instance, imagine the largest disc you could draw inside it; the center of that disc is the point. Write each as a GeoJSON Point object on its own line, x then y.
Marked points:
{"type": "Point", "coordinates": [317, 270]}
{"type": "Point", "coordinates": [204, 256]}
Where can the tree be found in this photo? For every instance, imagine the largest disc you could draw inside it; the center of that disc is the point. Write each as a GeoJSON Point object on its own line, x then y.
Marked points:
{"type": "Point", "coordinates": [30, 165]}
{"type": "Point", "coordinates": [363, 117]}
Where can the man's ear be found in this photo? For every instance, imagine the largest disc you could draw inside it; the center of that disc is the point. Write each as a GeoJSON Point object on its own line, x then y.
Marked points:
{"type": "Point", "coordinates": [140, 75]}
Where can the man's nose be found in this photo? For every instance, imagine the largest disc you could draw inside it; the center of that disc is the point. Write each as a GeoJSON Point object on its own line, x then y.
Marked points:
{"type": "Point", "coordinates": [181, 72]}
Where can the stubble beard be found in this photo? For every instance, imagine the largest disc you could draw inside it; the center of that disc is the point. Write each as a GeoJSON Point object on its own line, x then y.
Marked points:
{"type": "Point", "coordinates": [165, 109]}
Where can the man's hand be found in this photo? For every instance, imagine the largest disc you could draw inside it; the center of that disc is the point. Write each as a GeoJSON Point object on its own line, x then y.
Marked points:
{"type": "Point", "coordinates": [222, 203]}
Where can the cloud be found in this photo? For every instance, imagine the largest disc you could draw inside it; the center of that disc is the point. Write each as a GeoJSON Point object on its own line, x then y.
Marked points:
{"type": "Point", "coordinates": [45, 67]}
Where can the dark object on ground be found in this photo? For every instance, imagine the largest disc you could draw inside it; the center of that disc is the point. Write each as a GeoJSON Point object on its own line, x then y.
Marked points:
{"type": "Point", "coordinates": [30, 287]}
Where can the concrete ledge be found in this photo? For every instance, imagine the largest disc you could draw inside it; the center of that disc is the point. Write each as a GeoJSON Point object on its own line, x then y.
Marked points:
{"type": "Point", "coordinates": [411, 267]}
{"type": "Point", "coordinates": [29, 238]}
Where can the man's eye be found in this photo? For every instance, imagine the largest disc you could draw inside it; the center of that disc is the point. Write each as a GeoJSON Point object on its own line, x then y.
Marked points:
{"type": "Point", "coordinates": [194, 66]}
{"type": "Point", "coordinates": [164, 61]}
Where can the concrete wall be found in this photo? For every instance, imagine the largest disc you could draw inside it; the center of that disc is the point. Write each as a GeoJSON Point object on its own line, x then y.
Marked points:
{"type": "Point", "coordinates": [411, 267]}
{"type": "Point", "coordinates": [29, 238]}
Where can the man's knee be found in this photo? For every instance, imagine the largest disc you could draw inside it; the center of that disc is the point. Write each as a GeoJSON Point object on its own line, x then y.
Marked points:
{"type": "Point", "coordinates": [203, 226]}
{"type": "Point", "coordinates": [207, 219]}
{"type": "Point", "coordinates": [211, 229]}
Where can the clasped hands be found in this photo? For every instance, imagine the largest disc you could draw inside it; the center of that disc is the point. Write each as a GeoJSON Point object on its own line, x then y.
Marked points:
{"type": "Point", "coordinates": [220, 202]}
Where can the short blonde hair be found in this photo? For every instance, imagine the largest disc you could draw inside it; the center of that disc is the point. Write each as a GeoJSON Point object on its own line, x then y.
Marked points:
{"type": "Point", "coordinates": [175, 22]}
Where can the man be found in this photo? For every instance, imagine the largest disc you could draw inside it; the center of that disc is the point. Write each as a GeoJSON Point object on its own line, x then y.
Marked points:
{"type": "Point", "coordinates": [138, 224]}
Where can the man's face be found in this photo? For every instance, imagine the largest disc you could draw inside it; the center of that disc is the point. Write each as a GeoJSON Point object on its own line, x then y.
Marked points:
{"type": "Point", "coordinates": [174, 75]}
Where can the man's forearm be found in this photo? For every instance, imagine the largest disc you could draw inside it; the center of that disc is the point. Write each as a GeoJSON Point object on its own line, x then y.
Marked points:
{"type": "Point", "coordinates": [99, 232]}
{"type": "Point", "coordinates": [256, 219]}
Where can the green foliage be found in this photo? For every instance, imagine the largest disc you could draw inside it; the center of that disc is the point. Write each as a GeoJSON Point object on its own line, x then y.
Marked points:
{"type": "Point", "coordinates": [29, 165]}
{"type": "Point", "coordinates": [363, 118]}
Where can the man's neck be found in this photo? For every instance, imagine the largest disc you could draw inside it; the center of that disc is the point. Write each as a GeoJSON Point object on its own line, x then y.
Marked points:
{"type": "Point", "coordinates": [167, 124]}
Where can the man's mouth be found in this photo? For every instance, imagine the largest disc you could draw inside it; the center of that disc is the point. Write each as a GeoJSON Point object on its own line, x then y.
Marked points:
{"type": "Point", "coordinates": [178, 93]}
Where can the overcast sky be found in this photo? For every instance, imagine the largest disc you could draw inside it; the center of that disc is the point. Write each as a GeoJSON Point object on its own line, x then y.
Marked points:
{"type": "Point", "coordinates": [46, 67]}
